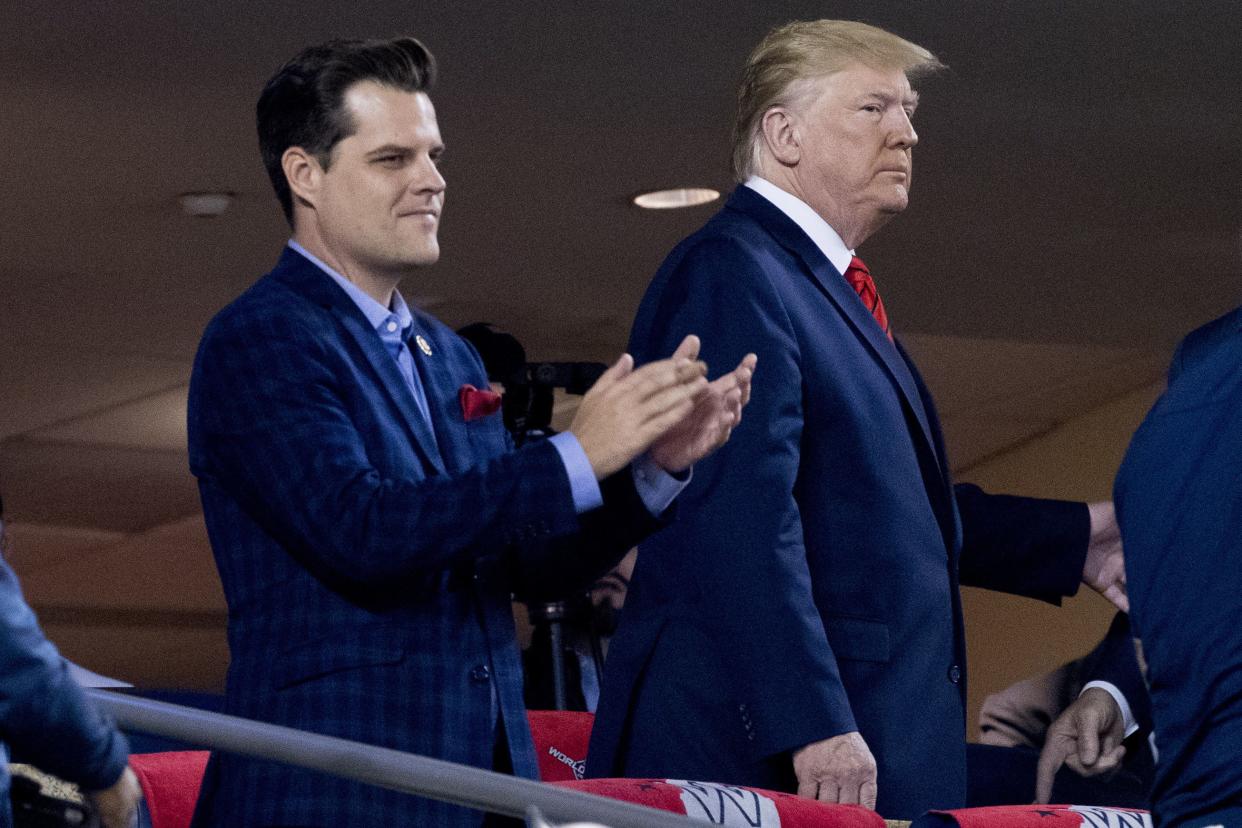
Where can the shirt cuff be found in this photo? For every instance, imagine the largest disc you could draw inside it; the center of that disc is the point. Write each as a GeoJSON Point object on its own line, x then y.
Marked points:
{"type": "Point", "coordinates": [582, 482]}
{"type": "Point", "coordinates": [1127, 716]}
{"type": "Point", "coordinates": [657, 488]}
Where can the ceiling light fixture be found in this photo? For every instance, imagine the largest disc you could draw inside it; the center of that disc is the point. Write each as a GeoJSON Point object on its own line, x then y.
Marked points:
{"type": "Point", "coordinates": [205, 204]}
{"type": "Point", "coordinates": [676, 198]}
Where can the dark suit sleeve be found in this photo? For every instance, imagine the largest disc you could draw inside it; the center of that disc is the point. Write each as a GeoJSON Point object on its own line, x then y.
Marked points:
{"type": "Point", "coordinates": [270, 424]}
{"type": "Point", "coordinates": [45, 718]}
{"type": "Point", "coordinates": [1022, 545]}
{"type": "Point", "coordinates": [1115, 661]}
{"type": "Point", "coordinates": [738, 540]}
{"type": "Point", "coordinates": [551, 570]}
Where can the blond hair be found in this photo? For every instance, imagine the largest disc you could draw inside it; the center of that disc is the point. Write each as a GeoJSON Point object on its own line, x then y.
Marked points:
{"type": "Point", "coordinates": [805, 50]}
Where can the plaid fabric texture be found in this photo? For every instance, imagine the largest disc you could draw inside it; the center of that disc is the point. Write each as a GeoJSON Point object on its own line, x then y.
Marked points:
{"type": "Point", "coordinates": [368, 570]}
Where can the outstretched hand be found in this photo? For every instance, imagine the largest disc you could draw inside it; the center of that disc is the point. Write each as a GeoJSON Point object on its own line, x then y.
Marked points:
{"type": "Point", "coordinates": [1105, 567]}
{"type": "Point", "coordinates": [717, 411]}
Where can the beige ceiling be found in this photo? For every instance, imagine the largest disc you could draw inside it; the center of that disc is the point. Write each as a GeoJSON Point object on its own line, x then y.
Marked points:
{"type": "Point", "coordinates": [1076, 210]}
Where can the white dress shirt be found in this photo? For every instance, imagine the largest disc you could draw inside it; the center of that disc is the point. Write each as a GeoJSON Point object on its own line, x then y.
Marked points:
{"type": "Point", "coordinates": [825, 238]}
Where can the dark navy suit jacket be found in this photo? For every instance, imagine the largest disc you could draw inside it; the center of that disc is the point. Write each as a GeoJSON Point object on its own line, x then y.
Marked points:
{"type": "Point", "coordinates": [45, 717]}
{"type": "Point", "coordinates": [810, 587]}
{"type": "Point", "coordinates": [1179, 501]}
{"type": "Point", "coordinates": [1114, 660]}
{"type": "Point", "coordinates": [368, 574]}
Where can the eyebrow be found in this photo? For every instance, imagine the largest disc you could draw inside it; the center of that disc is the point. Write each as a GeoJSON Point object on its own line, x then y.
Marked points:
{"type": "Point", "coordinates": [400, 149]}
{"type": "Point", "coordinates": [911, 99]}
{"type": "Point", "coordinates": [389, 149]}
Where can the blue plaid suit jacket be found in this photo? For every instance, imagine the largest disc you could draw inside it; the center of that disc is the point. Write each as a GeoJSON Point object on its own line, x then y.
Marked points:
{"type": "Point", "coordinates": [368, 575]}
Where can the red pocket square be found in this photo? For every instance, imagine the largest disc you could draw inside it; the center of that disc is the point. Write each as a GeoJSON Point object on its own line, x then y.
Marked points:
{"type": "Point", "coordinates": [477, 403]}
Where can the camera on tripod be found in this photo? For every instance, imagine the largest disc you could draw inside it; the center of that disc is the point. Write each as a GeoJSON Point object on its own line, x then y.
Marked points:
{"type": "Point", "coordinates": [566, 647]}
{"type": "Point", "coordinates": [529, 386]}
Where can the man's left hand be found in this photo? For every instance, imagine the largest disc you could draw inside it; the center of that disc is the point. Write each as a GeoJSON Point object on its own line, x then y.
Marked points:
{"type": "Point", "coordinates": [1105, 568]}
{"type": "Point", "coordinates": [717, 411]}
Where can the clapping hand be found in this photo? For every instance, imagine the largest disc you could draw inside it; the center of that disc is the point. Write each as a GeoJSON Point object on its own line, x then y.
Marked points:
{"type": "Point", "coordinates": [667, 407]}
{"type": "Point", "coordinates": [717, 411]}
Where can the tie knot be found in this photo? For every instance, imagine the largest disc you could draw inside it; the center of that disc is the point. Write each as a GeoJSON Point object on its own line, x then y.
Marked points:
{"type": "Point", "coordinates": [860, 280]}
{"type": "Point", "coordinates": [857, 272]}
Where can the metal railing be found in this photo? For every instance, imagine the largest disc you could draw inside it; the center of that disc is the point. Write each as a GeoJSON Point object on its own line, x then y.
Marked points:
{"type": "Point", "coordinates": [405, 772]}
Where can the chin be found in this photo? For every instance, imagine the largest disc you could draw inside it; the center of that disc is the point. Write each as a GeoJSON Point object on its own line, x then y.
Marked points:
{"type": "Point", "coordinates": [423, 254]}
{"type": "Point", "coordinates": [897, 203]}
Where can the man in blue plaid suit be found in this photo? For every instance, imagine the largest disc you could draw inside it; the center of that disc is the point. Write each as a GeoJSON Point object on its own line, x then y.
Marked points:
{"type": "Point", "coordinates": [369, 516]}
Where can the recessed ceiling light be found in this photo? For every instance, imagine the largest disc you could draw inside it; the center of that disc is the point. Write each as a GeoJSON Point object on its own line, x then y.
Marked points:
{"type": "Point", "coordinates": [675, 198]}
{"type": "Point", "coordinates": [205, 204]}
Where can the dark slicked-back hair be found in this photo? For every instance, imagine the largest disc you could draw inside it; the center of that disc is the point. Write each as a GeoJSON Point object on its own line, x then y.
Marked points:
{"type": "Point", "coordinates": [303, 104]}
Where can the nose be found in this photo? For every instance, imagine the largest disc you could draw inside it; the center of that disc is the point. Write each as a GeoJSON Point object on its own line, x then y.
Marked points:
{"type": "Point", "coordinates": [903, 135]}
{"type": "Point", "coordinates": [427, 177]}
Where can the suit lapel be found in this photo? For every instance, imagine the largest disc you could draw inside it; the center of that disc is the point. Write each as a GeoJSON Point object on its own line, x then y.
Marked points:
{"type": "Point", "coordinates": [950, 519]}
{"type": "Point", "coordinates": [393, 383]}
{"type": "Point", "coordinates": [441, 383]}
{"type": "Point", "coordinates": [299, 273]}
{"type": "Point", "coordinates": [833, 285]}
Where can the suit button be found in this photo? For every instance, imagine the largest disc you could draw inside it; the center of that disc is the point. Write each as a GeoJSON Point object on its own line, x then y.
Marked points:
{"type": "Point", "coordinates": [480, 674]}
{"type": "Point", "coordinates": [955, 674]}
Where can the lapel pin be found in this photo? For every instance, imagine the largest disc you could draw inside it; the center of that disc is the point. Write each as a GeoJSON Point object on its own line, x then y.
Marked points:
{"type": "Point", "coordinates": [422, 345]}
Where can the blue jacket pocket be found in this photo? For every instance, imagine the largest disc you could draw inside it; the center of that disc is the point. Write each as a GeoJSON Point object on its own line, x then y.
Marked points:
{"type": "Point", "coordinates": [325, 657]}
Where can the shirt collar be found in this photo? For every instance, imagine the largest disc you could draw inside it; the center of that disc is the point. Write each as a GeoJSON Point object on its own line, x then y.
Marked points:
{"type": "Point", "coordinates": [376, 314]}
{"type": "Point", "coordinates": [825, 238]}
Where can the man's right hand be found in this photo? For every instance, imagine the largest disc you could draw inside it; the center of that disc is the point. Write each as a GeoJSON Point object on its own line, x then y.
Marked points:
{"type": "Point", "coordinates": [840, 770]}
{"type": "Point", "coordinates": [116, 805]}
{"type": "Point", "coordinates": [1086, 736]}
{"type": "Point", "coordinates": [627, 409]}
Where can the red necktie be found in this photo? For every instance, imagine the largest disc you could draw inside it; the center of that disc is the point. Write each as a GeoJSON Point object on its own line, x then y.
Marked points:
{"type": "Point", "coordinates": [860, 279]}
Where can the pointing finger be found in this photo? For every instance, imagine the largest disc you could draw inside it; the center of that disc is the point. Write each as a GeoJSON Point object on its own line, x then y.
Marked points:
{"type": "Point", "coordinates": [1050, 761]}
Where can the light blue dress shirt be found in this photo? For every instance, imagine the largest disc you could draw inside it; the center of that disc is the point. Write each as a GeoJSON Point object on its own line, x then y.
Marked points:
{"type": "Point", "coordinates": [656, 487]}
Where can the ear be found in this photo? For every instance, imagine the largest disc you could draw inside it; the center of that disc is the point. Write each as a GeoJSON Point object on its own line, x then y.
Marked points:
{"type": "Point", "coordinates": [781, 136]}
{"type": "Point", "coordinates": [304, 174]}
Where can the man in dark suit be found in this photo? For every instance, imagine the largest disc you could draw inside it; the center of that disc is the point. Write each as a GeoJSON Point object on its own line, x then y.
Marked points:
{"type": "Point", "coordinates": [1179, 502]}
{"type": "Point", "coordinates": [48, 721]}
{"type": "Point", "coordinates": [801, 624]}
{"type": "Point", "coordinates": [367, 512]}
